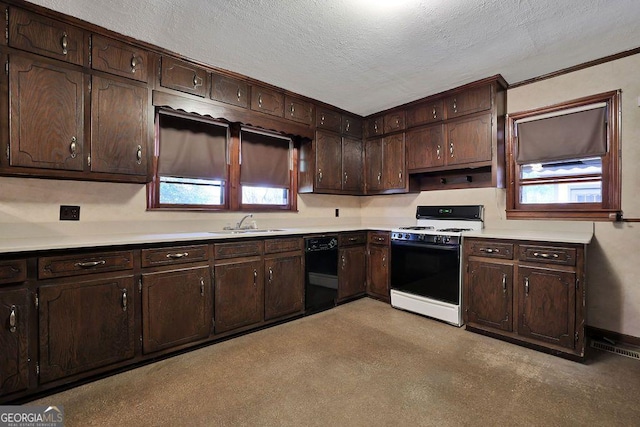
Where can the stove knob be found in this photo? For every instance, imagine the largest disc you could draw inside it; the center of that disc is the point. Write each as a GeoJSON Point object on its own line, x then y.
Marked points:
{"type": "Point", "coordinates": [446, 239]}
{"type": "Point", "coordinates": [407, 236]}
{"type": "Point", "coordinates": [438, 239]}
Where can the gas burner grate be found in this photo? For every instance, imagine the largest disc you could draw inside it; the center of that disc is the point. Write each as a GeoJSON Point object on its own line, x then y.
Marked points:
{"type": "Point", "coordinates": [418, 227]}
{"type": "Point", "coordinates": [454, 230]}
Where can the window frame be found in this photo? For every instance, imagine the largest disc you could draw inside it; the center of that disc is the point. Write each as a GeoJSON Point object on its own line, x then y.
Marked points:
{"type": "Point", "coordinates": [610, 206]}
{"type": "Point", "coordinates": [232, 189]}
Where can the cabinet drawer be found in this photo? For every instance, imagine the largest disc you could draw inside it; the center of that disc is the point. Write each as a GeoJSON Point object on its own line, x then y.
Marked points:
{"type": "Point", "coordinates": [183, 76]}
{"type": "Point", "coordinates": [547, 254]}
{"type": "Point", "coordinates": [490, 249]}
{"type": "Point", "coordinates": [13, 271]}
{"type": "Point", "coordinates": [174, 255]}
{"type": "Point", "coordinates": [73, 265]}
{"type": "Point", "coordinates": [469, 101]}
{"type": "Point", "coordinates": [393, 121]}
{"type": "Point", "coordinates": [373, 127]}
{"type": "Point", "coordinates": [427, 112]}
{"type": "Point", "coordinates": [328, 119]}
{"type": "Point", "coordinates": [267, 101]}
{"type": "Point", "coordinates": [229, 90]}
{"type": "Point", "coordinates": [349, 239]}
{"type": "Point", "coordinates": [352, 126]}
{"type": "Point", "coordinates": [298, 110]}
{"type": "Point", "coordinates": [119, 58]}
{"type": "Point", "coordinates": [379, 238]}
{"type": "Point", "coordinates": [237, 249]}
{"type": "Point", "coordinates": [44, 36]}
{"type": "Point", "coordinates": [283, 245]}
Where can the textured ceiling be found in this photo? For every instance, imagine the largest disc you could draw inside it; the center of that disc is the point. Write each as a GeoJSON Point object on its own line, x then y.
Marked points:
{"type": "Point", "coordinates": [369, 55]}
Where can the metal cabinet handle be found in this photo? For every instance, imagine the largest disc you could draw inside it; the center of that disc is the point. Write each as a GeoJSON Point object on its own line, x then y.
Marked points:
{"type": "Point", "coordinates": [255, 277]}
{"type": "Point", "coordinates": [90, 264]}
{"type": "Point", "coordinates": [13, 322]}
{"type": "Point", "coordinates": [202, 286]}
{"type": "Point", "coordinates": [139, 154]}
{"type": "Point", "coordinates": [135, 61]}
{"type": "Point", "coordinates": [545, 255]}
{"type": "Point", "coordinates": [348, 126]}
{"type": "Point", "coordinates": [353, 239]}
{"type": "Point", "coordinates": [397, 122]}
{"type": "Point", "coordinates": [124, 300]}
{"type": "Point", "coordinates": [384, 260]}
{"type": "Point", "coordinates": [455, 105]}
{"type": "Point", "coordinates": [270, 274]}
{"type": "Point", "coordinates": [64, 42]}
{"type": "Point", "coordinates": [526, 286]}
{"type": "Point", "coordinates": [293, 109]}
{"type": "Point", "coordinates": [346, 177]}
{"type": "Point", "coordinates": [73, 147]}
{"type": "Point", "coordinates": [344, 262]}
{"type": "Point", "coordinates": [319, 175]}
{"type": "Point", "coordinates": [380, 239]}
{"type": "Point", "coordinates": [435, 114]}
{"type": "Point", "coordinates": [489, 250]}
{"type": "Point", "coordinates": [451, 148]}
{"type": "Point", "coordinates": [400, 177]}
{"type": "Point", "coordinates": [260, 100]}
{"type": "Point", "coordinates": [375, 126]}
{"type": "Point", "coordinates": [178, 255]}
{"type": "Point", "coordinates": [238, 94]}
{"type": "Point", "coordinates": [196, 82]}
{"type": "Point", "coordinates": [322, 119]}
{"type": "Point", "coordinates": [504, 283]}
{"type": "Point", "coordinates": [438, 151]}
{"type": "Point", "coordinates": [379, 177]}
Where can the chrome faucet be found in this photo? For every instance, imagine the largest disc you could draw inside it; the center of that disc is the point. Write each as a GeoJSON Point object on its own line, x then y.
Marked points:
{"type": "Point", "coordinates": [239, 224]}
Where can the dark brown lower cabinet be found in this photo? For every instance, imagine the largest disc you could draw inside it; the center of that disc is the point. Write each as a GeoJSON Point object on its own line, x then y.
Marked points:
{"type": "Point", "coordinates": [14, 340]}
{"type": "Point", "coordinates": [284, 285]}
{"type": "Point", "coordinates": [352, 278]}
{"type": "Point", "coordinates": [239, 294]}
{"type": "Point", "coordinates": [379, 258]}
{"type": "Point", "coordinates": [176, 307]}
{"type": "Point", "coordinates": [529, 292]}
{"type": "Point", "coordinates": [85, 325]}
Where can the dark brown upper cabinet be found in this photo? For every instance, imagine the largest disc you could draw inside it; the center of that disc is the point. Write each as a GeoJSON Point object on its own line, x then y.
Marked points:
{"type": "Point", "coordinates": [47, 112]}
{"type": "Point", "coordinates": [298, 110]}
{"type": "Point", "coordinates": [374, 127]}
{"type": "Point", "coordinates": [119, 131]}
{"type": "Point", "coordinates": [121, 59]}
{"type": "Point", "coordinates": [469, 101]}
{"type": "Point", "coordinates": [183, 76]}
{"type": "Point", "coordinates": [44, 36]}
{"type": "Point", "coordinates": [267, 101]}
{"type": "Point", "coordinates": [425, 147]}
{"type": "Point", "coordinates": [328, 119]}
{"type": "Point", "coordinates": [352, 126]}
{"type": "Point", "coordinates": [229, 90]}
{"type": "Point", "coordinates": [393, 121]}
{"type": "Point", "coordinates": [424, 113]}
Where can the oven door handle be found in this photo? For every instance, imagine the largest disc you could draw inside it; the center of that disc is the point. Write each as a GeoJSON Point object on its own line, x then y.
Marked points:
{"type": "Point", "coordinates": [397, 243]}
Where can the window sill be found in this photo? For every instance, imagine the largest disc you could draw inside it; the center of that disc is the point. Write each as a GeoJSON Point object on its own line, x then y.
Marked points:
{"type": "Point", "coordinates": [565, 214]}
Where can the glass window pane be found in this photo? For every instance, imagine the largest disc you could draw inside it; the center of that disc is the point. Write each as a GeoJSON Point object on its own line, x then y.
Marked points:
{"type": "Point", "coordinates": [574, 192]}
{"type": "Point", "coordinates": [190, 191]}
{"type": "Point", "coordinates": [264, 195]}
{"type": "Point", "coordinates": [565, 168]}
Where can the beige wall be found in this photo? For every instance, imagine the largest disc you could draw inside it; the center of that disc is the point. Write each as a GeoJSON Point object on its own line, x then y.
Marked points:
{"type": "Point", "coordinates": [31, 206]}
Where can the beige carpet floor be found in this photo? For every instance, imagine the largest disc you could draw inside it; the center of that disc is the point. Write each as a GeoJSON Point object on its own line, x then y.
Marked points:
{"type": "Point", "coordinates": [362, 364]}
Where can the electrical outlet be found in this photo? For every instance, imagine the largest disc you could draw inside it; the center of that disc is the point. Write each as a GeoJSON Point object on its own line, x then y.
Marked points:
{"type": "Point", "coordinates": [69, 213]}
{"type": "Point", "coordinates": [337, 212]}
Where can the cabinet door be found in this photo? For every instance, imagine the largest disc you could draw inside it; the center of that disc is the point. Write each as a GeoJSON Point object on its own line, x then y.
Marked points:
{"type": "Point", "coordinates": [352, 126]}
{"type": "Point", "coordinates": [469, 101]}
{"type": "Point", "coordinates": [374, 127]}
{"type": "Point", "coordinates": [378, 271]}
{"type": "Point", "coordinates": [267, 101]}
{"type": "Point", "coordinates": [488, 295]}
{"type": "Point", "coordinates": [393, 162]}
{"type": "Point", "coordinates": [352, 273]}
{"type": "Point", "coordinates": [85, 325]}
{"type": "Point", "coordinates": [328, 161]}
{"type": "Point", "coordinates": [121, 59]}
{"type": "Point", "coordinates": [183, 76]}
{"type": "Point", "coordinates": [14, 336]}
{"type": "Point", "coordinates": [426, 112]}
{"type": "Point", "coordinates": [328, 119]}
{"type": "Point", "coordinates": [229, 90]}
{"type": "Point", "coordinates": [469, 140]}
{"type": "Point", "coordinates": [352, 162]}
{"type": "Point", "coordinates": [547, 304]}
{"type": "Point", "coordinates": [47, 110]}
{"type": "Point", "coordinates": [45, 36]}
{"type": "Point", "coordinates": [298, 110]}
{"type": "Point", "coordinates": [119, 135]}
{"type": "Point", "coordinates": [373, 162]}
{"type": "Point", "coordinates": [239, 295]}
{"type": "Point", "coordinates": [284, 286]}
{"type": "Point", "coordinates": [176, 307]}
{"type": "Point", "coordinates": [425, 147]}
{"type": "Point", "coordinates": [393, 121]}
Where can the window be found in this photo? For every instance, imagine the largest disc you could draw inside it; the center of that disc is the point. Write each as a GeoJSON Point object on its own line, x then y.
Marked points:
{"type": "Point", "coordinates": [563, 160]}
{"type": "Point", "coordinates": [205, 164]}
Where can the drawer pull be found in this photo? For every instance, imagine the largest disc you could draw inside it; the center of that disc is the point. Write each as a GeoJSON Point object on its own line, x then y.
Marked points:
{"type": "Point", "coordinates": [353, 239]}
{"type": "Point", "coordinates": [490, 251]}
{"type": "Point", "coordinates": [379, 177]}
{"type": "Point", "coordinates": [90, 264]}
{"type": "Point", "coordinates": [504, 283]}
{"type": "Point", "coordinates": [319, 175]}
{"type": "Point", "coordinates": [526, 286]}
{"type": "Point", "coordinates": [344, 262]}
{"type": "Point", "coordinates": [139, 155]}
{"type": "Point", "coordinates": [270, 274]}
{"type": "Point", "coordinates": [255, 277]}
{"type": "Point", "coordinates": [178, 255]}
{"type": "Point", "coordinates": [545, 255]}
{"type": "Point", "coordinates": [202, 286]}
{"type": "Point", "coordinates": [438, 151]}
{"type": "Point", "coordinates": [379, 239]}
{"type": "Point", "coordinates": [73, 147]}
{"type": "Point", "coordinates": [124, 300]}
{"type": "Point", "coordinates": [64, 42]}
{"type": "Point", "coordinates": [12, 319]}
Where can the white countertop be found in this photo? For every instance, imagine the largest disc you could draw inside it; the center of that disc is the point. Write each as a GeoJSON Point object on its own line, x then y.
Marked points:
{"type": "Point", "coordinates": [52, 242]}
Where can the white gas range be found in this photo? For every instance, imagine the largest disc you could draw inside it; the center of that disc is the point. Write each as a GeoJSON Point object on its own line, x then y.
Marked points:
{"type": "Point", "coordinates": [425, 261]}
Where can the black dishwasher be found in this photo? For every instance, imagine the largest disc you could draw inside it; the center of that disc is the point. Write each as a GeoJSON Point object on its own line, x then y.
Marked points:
{"type": "Point", "coordinates": [321, 273]}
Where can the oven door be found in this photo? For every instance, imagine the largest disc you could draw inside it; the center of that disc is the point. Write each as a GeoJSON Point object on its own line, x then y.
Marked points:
{"type": "Point", "coordinates": [430, 271]}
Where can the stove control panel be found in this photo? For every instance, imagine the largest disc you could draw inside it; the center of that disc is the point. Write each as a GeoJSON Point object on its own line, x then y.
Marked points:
{"type": "Point", "coordinates": [428, 239]}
